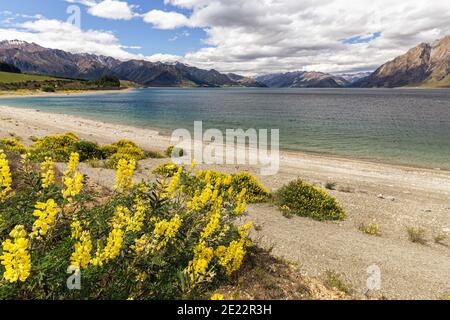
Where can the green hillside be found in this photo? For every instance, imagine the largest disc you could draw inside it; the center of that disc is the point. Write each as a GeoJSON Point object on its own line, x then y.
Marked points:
{"type": "Point", "coordinates": [6, 77]}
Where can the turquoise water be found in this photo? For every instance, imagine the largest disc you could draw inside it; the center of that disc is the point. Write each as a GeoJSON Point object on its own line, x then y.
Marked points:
{"type": "Point", "coordinates": [397, 126]}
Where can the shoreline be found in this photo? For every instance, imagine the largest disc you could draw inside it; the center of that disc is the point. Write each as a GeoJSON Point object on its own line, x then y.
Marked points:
{"type": "Point", "coordinates": [31, 94]}
{"type": "Point", "coordinates": [391, 196]}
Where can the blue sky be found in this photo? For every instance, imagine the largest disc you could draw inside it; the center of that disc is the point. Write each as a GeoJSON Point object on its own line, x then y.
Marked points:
{"type": "Point", "coordinates": [132, 32]}
{"type": "Point", "coordinates": [249, 37]}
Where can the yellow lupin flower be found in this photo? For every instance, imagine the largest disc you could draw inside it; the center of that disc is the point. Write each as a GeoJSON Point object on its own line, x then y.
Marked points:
{"type": "Point", "coordinates": [81, 256]}
{"type": "Point", "coordinates": [48, 173]}
{"type": "Point", "coordinates": [72, 166]}
{"type": "Point", "coordinates": [77, 230]}
{"type": "Point", "coordinates": [5, 177]}
{"type": "Point", "coordinates": [15, 256]}
{"type": "Point", "coordinates": [198, 266]}
{"type": "Point", "coordinates": [231, 257]}
{"type": "Point", "coordinates": [124, 175]}
{"type": "Point", "coordinates": [73, 186]}
{"type": "Point", "coordinates": [241, 204]}
{"type": "Point", "coordinates": [46, 214]}
{"type": "Point", "coordinates": [174, 182]}
{"type": "Point", "coordinates": [165, 231]}
{"type": "Point", "coordinates": [112, 248]}
{"type": "Point", "coordinates": [217, 296]}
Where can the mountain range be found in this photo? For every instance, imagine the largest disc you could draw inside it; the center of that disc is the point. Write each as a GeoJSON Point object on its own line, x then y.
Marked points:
{"type": "Point", "coordinates": [32, 58]}
{"type": "Point", "coordinates": [425, 65]}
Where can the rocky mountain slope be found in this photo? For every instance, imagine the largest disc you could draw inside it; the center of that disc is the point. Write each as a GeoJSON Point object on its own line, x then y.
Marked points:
{"type": "Point", "coordinates": [424, 65]}
{"type": "Point", "coordinates": [302, 79]}
{"type": "Point", "coordinates": [32, 58]}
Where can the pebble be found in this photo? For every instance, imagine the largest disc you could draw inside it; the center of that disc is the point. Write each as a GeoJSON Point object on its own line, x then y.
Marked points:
{"type": "Point", "coordinates": [380, 196]}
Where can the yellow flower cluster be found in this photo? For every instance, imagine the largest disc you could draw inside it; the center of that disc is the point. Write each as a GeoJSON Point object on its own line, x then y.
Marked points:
{"type": "Point", "coordinates": [112, 248]}
{"type": "Point", "coordinates": [203, 198]}
{"type": "Point", "coordinates": [15, 256]}
{"type": "Point", "coordinates": [48, 173]}
{"type": "Point", "coordinates": [77, 230]}
{"type": "Point", "coordinates": [72, 166]}
{"type": "Point", "coordinates": [241, 204]}
{"type": "Point", "coordinates": [217, 296]}
{"type": "Point", "coordinates": [5, 177]}
{"type": "Point", "coordinates": [73, 186]}
{"type": "Point", "coordinates": [124, 219]}
{"type": "Point", "coordinates": [72, 180]}
{"type": "Point", "coordinates": [165, 231]}
{"type": "Point", "coordinates": [173, 184]}
{"type": "Point", "coordinates": [81, 256]}
{"type": "Point", "coordinates": [124, 174]}
{"type": "Point", "coordinates": [231, 257]}
{"type": "Point", "coordinates": [46, 216]}
{"type": "Point", "coordinates": [197, 269]}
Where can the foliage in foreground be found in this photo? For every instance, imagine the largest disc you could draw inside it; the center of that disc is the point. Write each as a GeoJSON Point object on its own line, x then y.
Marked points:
{"type": "Point", "coordinates": [60, 147]}
{"type": "Point", "coordinates": [175, 238]}
{"type": "Point", "coordinates": [303, 199]}
{"type": "Point", "coordinates": [254, 190]}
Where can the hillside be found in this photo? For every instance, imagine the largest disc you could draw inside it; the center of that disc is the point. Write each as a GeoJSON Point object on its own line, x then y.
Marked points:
{"type": "Point", "coordinates": [32, 58]}
{"type": "Point", "coordinates": [426, 65]}
{"type": "Point", "coordinates": [302, 79]}
{"type": "Point", "coordinates": [8, 77]}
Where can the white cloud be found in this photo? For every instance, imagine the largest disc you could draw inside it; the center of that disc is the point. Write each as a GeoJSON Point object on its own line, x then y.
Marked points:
{"type": "Point", "coordinates": [259, 36]}
{"type": "Point", "coordinates": [112, 9]}
{"type": "Point", "coordinates": [166, 20]}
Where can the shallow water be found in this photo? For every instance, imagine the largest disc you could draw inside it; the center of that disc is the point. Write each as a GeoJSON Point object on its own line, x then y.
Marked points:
{"type": "Point", "coordinates": [404, 126]}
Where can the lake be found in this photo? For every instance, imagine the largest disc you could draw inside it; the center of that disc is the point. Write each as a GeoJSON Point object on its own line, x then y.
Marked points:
{"type": "Point", "coordinates": [403, 126]}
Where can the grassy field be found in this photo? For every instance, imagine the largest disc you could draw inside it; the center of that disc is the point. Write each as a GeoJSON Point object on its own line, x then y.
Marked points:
{"type": "Point", "coordinates": [6, 77]}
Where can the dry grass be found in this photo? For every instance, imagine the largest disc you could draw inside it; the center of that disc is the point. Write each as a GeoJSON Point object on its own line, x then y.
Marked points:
{"type": "Point", "coordinates": [416, 235]}
{"type": "Point", "coordinates": [264, 277]}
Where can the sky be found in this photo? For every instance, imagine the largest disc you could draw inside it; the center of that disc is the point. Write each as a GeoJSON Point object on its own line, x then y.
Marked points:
{"type": "Point", "coordinates": [249, 37]}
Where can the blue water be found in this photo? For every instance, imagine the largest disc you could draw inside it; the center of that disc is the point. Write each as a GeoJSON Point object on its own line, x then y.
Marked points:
{"type": "Point", "coordinates": [403, 126]}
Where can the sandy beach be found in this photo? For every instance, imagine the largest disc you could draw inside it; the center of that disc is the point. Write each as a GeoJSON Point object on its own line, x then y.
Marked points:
{"type": "Point", "coordinates": [394, 197]}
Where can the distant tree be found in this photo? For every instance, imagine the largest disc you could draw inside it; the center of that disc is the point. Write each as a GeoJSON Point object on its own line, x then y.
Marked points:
{"type": "Point", "coordinates": [108, 81]}
{"type": "Point", "coordinates": [6, 67]}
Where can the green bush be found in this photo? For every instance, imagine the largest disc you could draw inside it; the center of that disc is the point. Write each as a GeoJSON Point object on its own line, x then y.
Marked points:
{"type": "Point", "coordinates": [58, 147]}
{"type": "Point", "coordinates": [256, 192]}
{"type": "Point", "coordinates": [166, 170]}
{"type": "Point", "coordinates": [174, 152]}
{"type": "Point", "coordinates": [153, 155]}
{"type": "Point", "coordinates": [48, 88]}
{"type": "Point", "coordinates": [303, 199]}
{"type": "Point", "coordinates": [12, 145]}
{"type": "Point", "coordinates": [88, 150]}
{"type": "Point", "coordinates": [123, 149]}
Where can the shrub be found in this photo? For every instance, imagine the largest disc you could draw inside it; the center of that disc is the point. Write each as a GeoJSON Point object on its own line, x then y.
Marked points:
{"type": "Point", "coordinates": [416, 235]}
{"type": "Point", "coordinates": [153, 155]}
{"type": "Point", "coordinates": [166, 170]}
{"type": "Point", "coordinates": [306, 200]}
{"type": "Point", "coordinates": [58, 147]}
{"type": "Point", "coordinates": [88, 150]}
{"type": "Point", "coordinates": [123, 149]}
{"type": "Point", "coordinates": [48, 88]}
{"type": "Point", "coordinates": [174, 152]}
{"type": "Point", "coordinates": [440, 239]}
{"type": "Point", "coordinates": [255, 191]}
{"type": "Point", "coordinates": [370, 229]}
{"type": "Point", "coordinates": [12, 145]}
{"type": "Point", "coordinates": [152, 241]}
{"type": "Point", "coordinates": [330, 185]}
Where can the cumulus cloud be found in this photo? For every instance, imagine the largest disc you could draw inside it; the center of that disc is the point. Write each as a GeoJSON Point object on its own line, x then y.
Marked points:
{"type": "Point", "coordinates": [260, 36]}
{"type": "Point", "coordinates": [112, 9]}
{"type": "Point", "coordinates": [166, 20]}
